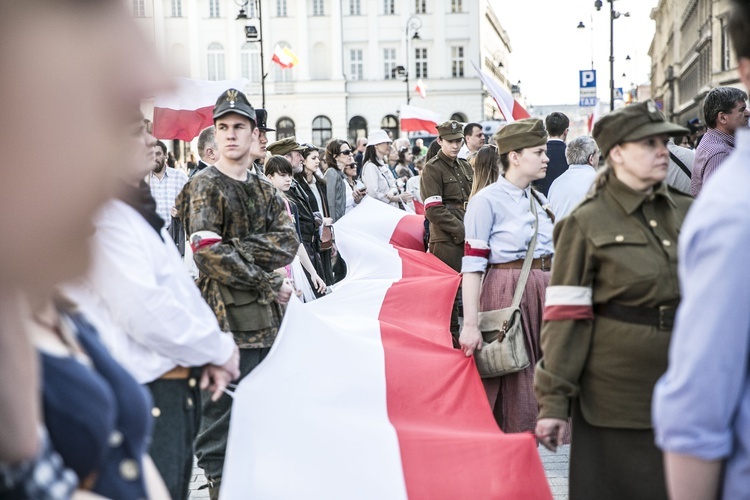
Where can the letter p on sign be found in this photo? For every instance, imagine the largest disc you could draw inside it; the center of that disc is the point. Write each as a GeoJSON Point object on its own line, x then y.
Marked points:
{"type": "Point", "coordinates": [588, 78]}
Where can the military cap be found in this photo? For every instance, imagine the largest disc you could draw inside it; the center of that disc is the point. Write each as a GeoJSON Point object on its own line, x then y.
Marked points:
{"type": "Point", "coordinates": [632, 123]}
{"type": "Point", "coordinates": [450, 130]}
{"type": "Point", "coordinates": [526, 133]}
{"type": "Point", "coordinates": [261, 117]}
{"type": "Point", "coordinates": [234, 101]}
{"type": "Point", "coordinates": [284, 146]}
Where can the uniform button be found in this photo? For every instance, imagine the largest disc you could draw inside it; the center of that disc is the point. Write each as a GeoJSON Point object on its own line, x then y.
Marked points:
{"type": "Point", "coordinates": [652, 223]}
{"type": "Point", "coordinates": [619, 238]}
{"type": "Point", "coordinates": [156, 412]}
{"type": "Point", "coordinates": [666, 243]}
{"type": "Point", "coordinates": [190, 402]}
{"type": "Point", "coordinates": [192, 382]}
{"type": "Point", "coordinates": [115, 439]}
{"type": "Point", "coordinates": [129, 469]}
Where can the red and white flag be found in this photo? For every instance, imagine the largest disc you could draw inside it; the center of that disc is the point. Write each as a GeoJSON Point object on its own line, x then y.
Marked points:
{"type": "Point", "coordinates": [183, 113]}
{"type": "Point", "coordinates": [363, 396]}
{"type": "Point", "coordinates": [420, 89]}
{"type": "Point", "coordinates": [284, 57]}
{"type": "Point", "coordinates": [414, 119]}
{"type": "Point", "coordinates": [508, 106]}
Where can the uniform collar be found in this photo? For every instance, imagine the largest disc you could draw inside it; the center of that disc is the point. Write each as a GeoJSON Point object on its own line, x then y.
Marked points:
{"type": "Point", "coordinates": [515, 192]}
{"type": "Point", "coordinates": [447, 159]}
{"type": "Point", "coordinates": [630, 199]}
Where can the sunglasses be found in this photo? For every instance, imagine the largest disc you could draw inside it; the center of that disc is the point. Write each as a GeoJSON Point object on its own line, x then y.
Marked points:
{"type": "Point", "coordinates": [347, 152]}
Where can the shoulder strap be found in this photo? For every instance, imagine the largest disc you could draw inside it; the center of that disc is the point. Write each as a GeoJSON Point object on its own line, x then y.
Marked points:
{"type": "Point", "coordinates": [549, 212]}
{"type": "Point", "coordinates": [521, 286]}
{"type": "Point", "coordinates": [680, 164]}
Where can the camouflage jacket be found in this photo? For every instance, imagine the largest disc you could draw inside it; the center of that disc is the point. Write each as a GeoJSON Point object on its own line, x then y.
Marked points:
{"type": "Point", "coordinates": [240, 233]}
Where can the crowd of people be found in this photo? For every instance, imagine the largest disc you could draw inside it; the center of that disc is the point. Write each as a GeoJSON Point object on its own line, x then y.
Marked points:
{"type": "Point", "coordinates": [114, 365]}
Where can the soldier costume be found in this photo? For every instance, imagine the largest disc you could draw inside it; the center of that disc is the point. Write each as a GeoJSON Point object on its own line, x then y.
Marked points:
{"type": "Point", "coordinates": [240, 233]}
{"type": "Point", "coordinates": [608, 320]}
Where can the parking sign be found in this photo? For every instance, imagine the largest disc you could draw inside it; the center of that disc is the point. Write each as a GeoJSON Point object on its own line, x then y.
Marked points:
{"type": "Point", "coordinates": [587, 84]}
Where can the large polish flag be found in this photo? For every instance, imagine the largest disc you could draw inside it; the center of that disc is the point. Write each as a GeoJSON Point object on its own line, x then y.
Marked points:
{"type": "Point", "coordinates": [509, 107]}
{"type": "Point", "coordinates": [414, 119]}
{"type": "Point", "coordinates": [363, 397]}
{"type": "Point", "coordinates": [183, 113]}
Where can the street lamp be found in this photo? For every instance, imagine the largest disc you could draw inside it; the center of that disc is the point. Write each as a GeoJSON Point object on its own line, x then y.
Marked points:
{"type": "Point", "coordinates": [413, 24]}
{"type": "Point", "coordinates": [254, 35]}
{"type": "Point", "coordinates": [612, 16]}
{"type": "Point", "coordinates": [582, 26]}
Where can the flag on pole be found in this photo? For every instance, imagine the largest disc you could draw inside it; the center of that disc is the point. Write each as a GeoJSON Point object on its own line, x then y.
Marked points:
{"type": "Point", "coordinates": [508, 106]}
{"type": "Point", "coordinates": [183, 113]}
{"type": "Point", "coordinates": [363, 396]}
{"type": "Point", "coordinates": [414, 119]}
{"type": "Point", "coordinates": [594, 116]}
{"type": "Point", "coordinates": [284, 57]}
{"type": "Point", "coordinates": [420, 89]}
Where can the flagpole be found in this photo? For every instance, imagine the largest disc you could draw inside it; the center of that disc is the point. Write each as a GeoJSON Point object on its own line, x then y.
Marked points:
{"type": "Point", "coordinates": [262, 67]}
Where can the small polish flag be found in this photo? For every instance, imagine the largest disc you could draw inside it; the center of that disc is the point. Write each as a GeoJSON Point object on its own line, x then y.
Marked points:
{"type": "Point", "coordinates": [183, 113]}
{"type": "Point", "coordinates": [421, 89]}
{"type": "Point", "coordinates": [390, 410]}
{"type": "Point", "coordinates": [284, 57]}
{"type": "Point", "coordinates": [509, 107]}
{"type": "Point", "coordinates": [414, 119]}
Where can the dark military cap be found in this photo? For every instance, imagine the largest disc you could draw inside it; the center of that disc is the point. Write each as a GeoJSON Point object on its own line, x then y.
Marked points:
{"type": "Point", "coordinates": [234, 101]}
{"type": "Point", "coordinates": [284, 146]}
{"type": "Point", "coordinates": [261, 117]}
{"type": "Point", "coordinates": [632, 123]}
{"type": "Point", "coordinates": [526, 133]}
{"type": "Point", "coordinates": [450, 130]}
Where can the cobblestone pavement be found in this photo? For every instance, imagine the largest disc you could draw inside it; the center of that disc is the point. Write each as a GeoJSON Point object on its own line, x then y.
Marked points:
{"type": "Point", "coordinates": [555, 466]}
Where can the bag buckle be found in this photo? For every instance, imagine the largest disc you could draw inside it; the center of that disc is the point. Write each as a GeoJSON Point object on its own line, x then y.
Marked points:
{"type": "Point", "coordinates": [545, 262]}
{"type": "Point", "coordinates": [666, 317]}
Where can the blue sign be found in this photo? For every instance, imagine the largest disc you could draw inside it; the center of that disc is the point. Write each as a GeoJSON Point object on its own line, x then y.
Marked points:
{"type": "Point", "coordinates": [587, 78]}
{"type": "Point", "coordinates": [587, 81]}
{"type": "Point", "coordinates": [618, 93]}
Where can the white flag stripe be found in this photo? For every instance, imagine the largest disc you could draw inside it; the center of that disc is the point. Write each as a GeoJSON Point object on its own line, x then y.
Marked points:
{"type": "Point", "coordinates": [568, 296]}
{"type": "Point", "coordinates": [195, 94]}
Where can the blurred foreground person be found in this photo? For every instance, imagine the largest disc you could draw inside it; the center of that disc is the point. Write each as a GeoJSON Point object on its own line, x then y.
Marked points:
{"type": "Point", "coordinates": [609, 310]}
{"type": "Point", "coordinates": [48, 209]}
{"type": "Point", "coordinates": [702, 404]}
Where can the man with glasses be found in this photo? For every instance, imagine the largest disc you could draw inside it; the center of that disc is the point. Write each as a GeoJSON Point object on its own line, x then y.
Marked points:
{"type": "Point", "coordinates": [568, 190]}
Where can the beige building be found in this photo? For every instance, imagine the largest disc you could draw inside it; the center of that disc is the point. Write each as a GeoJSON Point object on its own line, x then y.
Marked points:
{"type": "Point", "coordinates": [690, 53]}
{"type": "Point", "coordinates": [354, 56]}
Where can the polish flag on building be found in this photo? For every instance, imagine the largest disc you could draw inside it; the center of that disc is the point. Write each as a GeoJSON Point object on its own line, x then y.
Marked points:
{"type": "Point", "coordinates": [508, 106]}
{"type": "Point", "coordinates": [284, 57]}
{"type": "Point", "coordinates": [420, 89]}
{"type": "Point", "coordinates": [183, 113]}
{"type": "Point", "coordinates": [362, 395]}
{"type": "Point", "coordinates": [414, 119]}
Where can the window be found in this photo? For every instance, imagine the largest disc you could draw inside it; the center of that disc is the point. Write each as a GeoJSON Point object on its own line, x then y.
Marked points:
{"type": "Point", "coordinates": [318, 7]}
{"type": "Point", "coordinates": [355, 8]}
{"type": "Point", "coordinates": [457, 62]}
{"type": "Point", "coordinates": [420, 59]}
{"type": "Point", "coordinates": [176, 8]}
{"type": "Point", "coordinates": [139, 8]}
{"type": "Point", "coordinates": [215, 61]}
{"type": "Point", "coordinates": [213, 8]}
{"type": "Point", "coordinates": [250, 61]}
{"type": "Point", "coordinates": [726, 59]}
{"type": "Point", "coordinates": [389, 63]}
{"type": "Point", "coordinates": [389, 123]}
{"type": "Point", "coordinates": [389, 6]}
{"type": "Point", "coordinates": [321, 130]}
{"type": "Point", "coordinates": [280, 8]}
{"type": "Point", "coordinates": [284, 128]}
{"type": "Point", "coordinates": [357, 129]}
{"type": "Point", "coordinates": [420, 7]}
{"type": "Point", "coordinates": [356, 66]}
{"type": "Point", "coordinates": [457, 6]}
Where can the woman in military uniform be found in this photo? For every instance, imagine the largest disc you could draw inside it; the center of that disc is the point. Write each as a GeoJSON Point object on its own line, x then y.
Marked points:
{"type": "Point", "coordinates": [499, 227]}
{"type": "Point", "coordinates": [609, 310]}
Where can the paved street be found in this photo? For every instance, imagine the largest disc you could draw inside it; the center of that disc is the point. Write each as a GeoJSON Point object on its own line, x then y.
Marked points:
{"type": "Point", "coordinates": [555, 466]}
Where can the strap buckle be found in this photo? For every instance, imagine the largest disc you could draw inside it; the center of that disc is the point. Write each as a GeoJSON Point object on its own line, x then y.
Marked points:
{"type": "Point", "coordinates": [545, 262]}
{"type": "Point", "coordinates": [666, 317]}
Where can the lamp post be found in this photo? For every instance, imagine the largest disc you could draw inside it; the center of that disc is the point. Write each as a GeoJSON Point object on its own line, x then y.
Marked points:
{"type": "Point", "coordinates": [254, 35]}
{"type": "Point", "coordinates": [413, 24]}
{"type": "Point", "coordinates": [612, 16]}
{"type": "Point", "coordinates": [591, 30]}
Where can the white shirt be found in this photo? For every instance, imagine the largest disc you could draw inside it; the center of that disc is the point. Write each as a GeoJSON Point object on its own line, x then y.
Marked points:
{"type": "Point", "coordinates": [463, 153]}
{"type": "Point", "coordinates": [380, 182]}
{"type": "Point", "coordinates": [149, 312]}
{"type": "Point", "coordinates": [568, 190]}
{"type": "Point", "coordinates": [412, 187]}
{"type": "Point", "coordinates": [165, 191]}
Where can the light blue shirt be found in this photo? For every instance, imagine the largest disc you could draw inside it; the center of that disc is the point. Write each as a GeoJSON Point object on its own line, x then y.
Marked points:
{"type": "Point", "coordinates": [499, 219]}
{"type": "Point", "coordinates": [568, 190]}
{"type": "Point", "coordinates": [701, 405]}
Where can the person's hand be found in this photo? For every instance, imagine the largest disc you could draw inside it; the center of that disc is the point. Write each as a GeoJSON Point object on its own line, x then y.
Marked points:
{"type": "Point", "coordinates": [549, 432]}
{"type": "Point", "coordinates": [318, 284]}
{"type": "Point", "coordinates": [470, 339]}
{"type": "Point", "coordinates": [285, 292]}
{"type": "Point", "coordinates": [215, 379]}
{"type": "Point", "coordinates": [173, 211]}
{"type": "Point", "coordinates": [358, 195]}
{"type": "Point", "coordinates": [405, 197]}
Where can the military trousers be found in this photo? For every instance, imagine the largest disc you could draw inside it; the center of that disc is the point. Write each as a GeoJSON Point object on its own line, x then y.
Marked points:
{"type": "Point", "coordinates": [452, 255]}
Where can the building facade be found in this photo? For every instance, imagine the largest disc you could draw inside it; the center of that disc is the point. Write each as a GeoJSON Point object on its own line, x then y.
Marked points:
{"type": "Point", "coordinates": [354, 57]}
{"type": "Point", "coordinates": [690, 54]}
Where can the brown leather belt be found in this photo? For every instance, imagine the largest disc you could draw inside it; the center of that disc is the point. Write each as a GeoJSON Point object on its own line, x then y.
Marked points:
{"type": "Point", "coordinates": [176, 373]}
{"type": "Point", "coordinates": [661, 317]}
{"type": "Point", "coordinates": [456, 206]}
{"type": "Point", "coordinates": [544, 263]}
